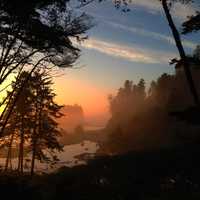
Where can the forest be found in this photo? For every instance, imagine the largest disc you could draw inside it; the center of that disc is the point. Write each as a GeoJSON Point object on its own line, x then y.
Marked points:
{"type": "Point", "coordinates": [148, 149]}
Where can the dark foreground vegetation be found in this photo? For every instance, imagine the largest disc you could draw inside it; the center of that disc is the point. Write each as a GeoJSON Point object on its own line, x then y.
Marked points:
{"type": "Point", "coordinates": [164, 174]}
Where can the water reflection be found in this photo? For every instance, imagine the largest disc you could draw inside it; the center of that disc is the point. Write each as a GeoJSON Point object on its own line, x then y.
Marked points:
{"type": "Point", "coordinates": [69, 157]}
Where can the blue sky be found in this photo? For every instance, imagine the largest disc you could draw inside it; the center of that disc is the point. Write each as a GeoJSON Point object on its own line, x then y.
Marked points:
{"type": "Point", "coordinates": [144, 30]}
{"type": "Point", "coordinates": [121, 46]}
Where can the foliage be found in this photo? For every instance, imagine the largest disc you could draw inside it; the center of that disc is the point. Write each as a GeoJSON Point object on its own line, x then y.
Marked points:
{"type": "Point", "coordinates": [31, 30]}
{"type": "Point", "coordinates": [142, 118]}
{"type": "Point", "coordinates": [37, 35]}
{"type": "Point", "coordinates": [46, 132]}
{"type": "Point", "coordinates": [131, 108]}
{"type": "Point", "coordinates": [34, 118]}
{"type": "Point", "coordinates": [192, 24]}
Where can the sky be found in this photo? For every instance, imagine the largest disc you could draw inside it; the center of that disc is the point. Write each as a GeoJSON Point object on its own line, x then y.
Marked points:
{"type": "Point", "coordinates": [122, 46]}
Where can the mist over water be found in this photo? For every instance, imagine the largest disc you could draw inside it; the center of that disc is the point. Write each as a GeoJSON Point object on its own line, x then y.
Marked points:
{"type": "Point", "coordinates": [69, 157]}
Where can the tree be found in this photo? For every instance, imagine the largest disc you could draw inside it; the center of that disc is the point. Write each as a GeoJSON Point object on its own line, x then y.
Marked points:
{"type": "Point", "coordinates": [141, 89]}
{"type": "Point", "coordinates": [34, 120]}
{"type": "Point", "coordinates": [38, 27]}
{"type": "Point", "coordinates": [161, 90]}
{"type": "Point", "coordinates": [18, 123]}
{"type": "Point", "coordinates": [38, 34]}
{"type": "Point", "coordinates": [45, 127]}
{"type": "Point", "coordinates": [192, 24]}
{"type": "Point", "coordinates": [46, 26]}
{"type": "Point", "coordinates": [135, 114]}
{"type": "Point", "coordinates": [127, 103]}
{"type": "Point", "coordinates": [166, 4]}
{"type": "Point", "coordinates": [177, 38]}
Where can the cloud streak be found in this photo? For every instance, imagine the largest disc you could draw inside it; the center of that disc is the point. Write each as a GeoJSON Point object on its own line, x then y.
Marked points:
{"type": "Point", "coordinates": [179, 10]}
{"type": "Point", "coordinates": [146, 33]}
{"type": "Point", "coordinates": [154, 35]}
{"type": "Point", "coordinates": [133, 54]}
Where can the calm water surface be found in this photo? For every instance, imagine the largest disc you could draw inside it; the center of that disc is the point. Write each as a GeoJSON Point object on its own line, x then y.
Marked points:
{"type": "Point", "coordinates": [69, 157]}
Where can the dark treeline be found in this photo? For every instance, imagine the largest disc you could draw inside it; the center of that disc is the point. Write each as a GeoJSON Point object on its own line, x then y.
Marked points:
{"type": "Point", "coordinates": [72, 124]}
{"type": "Point", "coordinates": [147, 117]}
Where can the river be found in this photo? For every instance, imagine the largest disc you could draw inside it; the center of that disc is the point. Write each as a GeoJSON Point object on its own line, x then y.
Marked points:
{"type": "Point", "coordinates": [69, 157]}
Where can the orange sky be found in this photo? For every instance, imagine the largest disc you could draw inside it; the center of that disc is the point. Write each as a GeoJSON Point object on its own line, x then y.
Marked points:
{"type": "Point", "coordinates": [72, 91]}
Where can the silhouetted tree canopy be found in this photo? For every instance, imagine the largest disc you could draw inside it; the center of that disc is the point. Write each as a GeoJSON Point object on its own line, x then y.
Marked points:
{"type": "Point", "coordinates": [192, 25]}
{"type": "Point", "coordinates": [33, 29]}
{"type": "Point", "coordinates": [38, 34]}
{"type": "Point", "coordinates": [34, 119]}
{"type": "Point", "coordinates": [44, 25]}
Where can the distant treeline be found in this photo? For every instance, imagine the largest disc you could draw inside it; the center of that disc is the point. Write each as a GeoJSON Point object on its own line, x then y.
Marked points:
{"type": "Point", "coordinates": [142, 117]}
{"type": "Point", "coordinates": [73, 117]}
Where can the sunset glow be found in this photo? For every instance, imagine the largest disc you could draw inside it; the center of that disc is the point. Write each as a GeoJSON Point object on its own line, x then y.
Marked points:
{"type": "Point", "coordinates": [93, 100]}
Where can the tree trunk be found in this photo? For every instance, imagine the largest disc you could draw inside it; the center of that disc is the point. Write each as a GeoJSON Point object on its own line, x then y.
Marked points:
{"type": "Point", "coordinates": [33, 156]}
{"type": "Point", "coordinates": [19, 159]}
{"type": "Point", "coordinates": [182, 54]}
{"type": "Point", "coordinates": [9, 154]}
{"type": "Point", "coordinates": [34, 140]}
{"type": "Point", "coordinates": [21, 147]}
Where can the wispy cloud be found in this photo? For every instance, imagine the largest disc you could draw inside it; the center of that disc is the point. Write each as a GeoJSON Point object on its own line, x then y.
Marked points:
{"type": "Point", "coordinates": [152, 6]}
{"type": "Point", "coordinates": [143, 32]}
{"type": "Point", "coordinates": [133, 54]}
{"type": "Point", "coordinates": [179, 10]}
{"type": "Point", "coordinates": [154, 35]}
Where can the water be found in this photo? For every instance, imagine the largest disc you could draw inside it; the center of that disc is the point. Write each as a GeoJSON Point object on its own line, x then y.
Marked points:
{"type": "Point", "coordinates": [69, 157]}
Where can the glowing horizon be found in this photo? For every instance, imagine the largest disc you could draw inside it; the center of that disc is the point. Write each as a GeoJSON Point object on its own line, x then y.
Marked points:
{"type": "Point", "coordinates": [122, 46]}
{"type": "Point", "coordinates": [93, 100]}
